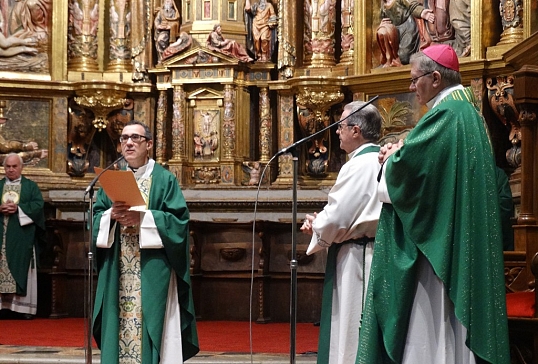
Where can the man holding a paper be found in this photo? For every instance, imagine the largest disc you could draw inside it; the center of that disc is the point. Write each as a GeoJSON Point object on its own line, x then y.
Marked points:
{"type": "Point", "coordinates": [144, 310]}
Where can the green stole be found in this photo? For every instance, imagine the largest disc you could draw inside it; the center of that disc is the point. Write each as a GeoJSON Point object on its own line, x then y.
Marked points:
{"type": "Point", "coordinates": [328, 284]}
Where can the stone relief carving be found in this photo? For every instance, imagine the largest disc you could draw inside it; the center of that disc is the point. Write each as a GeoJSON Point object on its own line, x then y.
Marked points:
{"type": "Point", "coordinates": [24, 35]}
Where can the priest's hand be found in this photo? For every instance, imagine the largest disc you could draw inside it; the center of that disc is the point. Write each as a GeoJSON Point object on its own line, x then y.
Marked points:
{"type": "Point", "coordinates": [307, 223]}
{"type": "Point", "coordinates": [121, 213]}
{"type": "Point", "coordinates": [387, 150]}
{"type": "Point", "coordinates": [8, 208]}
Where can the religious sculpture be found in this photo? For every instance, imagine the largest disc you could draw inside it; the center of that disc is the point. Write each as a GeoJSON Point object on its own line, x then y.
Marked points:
{"type": "Point", "coordinates": [166, 25]}
{"type": "Point", "coordinates": [24, 38]}
{"type": "Point", "coordinates": [80, 136]}
{"type": "Point", "coordinates": [253, 170]}
{"type": "Point", "coordinates": [441, 30]}
{"type": "Point", "coordinates": [216, 41]}
{"type": "Point", "coordinates": [183, 42]}
{"type": "Point", "coordinates": [30, 18]}
{"type": "Point", "coordinates": [399, 34]}
{"type": "Point", "coordinates": [206, 136]}
{"type": "Point", "coordinates": [261, 29]}
{"type": "Point", "coordinates": [12, 45]}
{"type": "Point", "coordinates": [460, 17]}
{"type": "Point", "coordinates": [28, 151]}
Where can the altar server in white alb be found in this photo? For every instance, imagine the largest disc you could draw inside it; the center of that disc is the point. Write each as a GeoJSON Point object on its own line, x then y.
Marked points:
{"type": "Point", "coordinates": [347, 227]}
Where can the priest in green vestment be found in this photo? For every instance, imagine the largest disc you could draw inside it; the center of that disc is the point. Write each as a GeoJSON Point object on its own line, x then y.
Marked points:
{"type": "Point", "coordinates": [21, 232]}
{"type": "Point", "coordinates": [436, 292]}
{"type": "Point", "coordinates": [144, 310]}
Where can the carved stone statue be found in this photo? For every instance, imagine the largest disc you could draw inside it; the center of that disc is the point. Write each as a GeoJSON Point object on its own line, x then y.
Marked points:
{"type": "Point", "coordinates": [261, 29]}
{"type": "Point", "coordinates": [398, 34]}
{"type": "Point", "coordinates": [183, 42]}
{"type": "Point", "coordinates": [216, 41]}
{"type": "Point", "coordinates": [29, 151]}
{"type": "Point", "coordinates": [253, 171]}
{"type": "Point", "coordinates": [441, 30]}
{"type": "Point", "coordinates": [12, 46]}
{"type": "Point", "coordinates": [31, 18]}
{"type": "Point", "coordinates": [166, 25]}
{"type": "Point", "coordinates": [24, 39]}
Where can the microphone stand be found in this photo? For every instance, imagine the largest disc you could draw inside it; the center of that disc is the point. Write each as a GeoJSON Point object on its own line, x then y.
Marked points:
{"type": "Point", "coordinates": [89, 286]}
{"type": "Point", "coordinates": [293, 261]}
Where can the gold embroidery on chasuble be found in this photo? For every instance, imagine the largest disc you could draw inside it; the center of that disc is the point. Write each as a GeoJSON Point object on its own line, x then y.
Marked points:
{"type": "Point", "coordinates": [130, 289]}
{"type": "Point", "coordinates": [7, 282]}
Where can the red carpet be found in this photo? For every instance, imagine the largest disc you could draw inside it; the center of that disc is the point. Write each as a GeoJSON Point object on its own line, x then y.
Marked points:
{"type": "Point", "coordinates": [219, 336]}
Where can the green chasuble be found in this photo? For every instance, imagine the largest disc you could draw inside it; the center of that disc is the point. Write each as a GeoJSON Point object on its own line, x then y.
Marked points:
{"type": "Point", "coordinates": [169, 209]}
{"type": "Point", "coordinates": [21, 240]}
{"type": "Point", "coordinates": [442, 185]}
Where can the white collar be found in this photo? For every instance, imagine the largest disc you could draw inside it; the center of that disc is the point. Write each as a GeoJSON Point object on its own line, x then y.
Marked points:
{"type": "Point", "coordinates": [145, 170]}
{"type": "Point", "coordinates": [14, 182]}
{"type": "Point", "coordinates": [441, 95]}
{"type": "Point", "coordinates": [361, 147]}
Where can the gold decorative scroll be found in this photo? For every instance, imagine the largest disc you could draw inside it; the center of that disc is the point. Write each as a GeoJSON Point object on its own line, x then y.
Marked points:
{"type": "Point", "coordinates": [101, 103]}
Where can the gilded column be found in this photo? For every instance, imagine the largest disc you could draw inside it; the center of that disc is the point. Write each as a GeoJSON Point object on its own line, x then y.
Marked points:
{"type": "Point", "coordinates": [82, 41]}
{"type": "Point", "coordinates": [265, 125]}
{"type": "Point", "coordinates": [285, 137]}
{"type": "Point", "coordinates": [348, 39]}
{"type": "Point", "coordinates": [178, 124]}
{"type": "Point", "coordinates": [228, 126]}
{"type": "Point", "coordinates": [307, 33]}
{"type": "Point", "coordinates": [160, 127]}
{"type": "Point", "coordinates": [141, 39]}
{"type": "Point", "coordinates": [323, 28]}
{"type": "Point", "coordinates": [287, 39]}
{"type": "Point", "coordinates": [120, 42]}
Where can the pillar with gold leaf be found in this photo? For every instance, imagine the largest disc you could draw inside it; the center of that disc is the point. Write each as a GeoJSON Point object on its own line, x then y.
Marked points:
{"type": "Point", "coordinates": [323, 30]}
{"type": "Point", "coordinates": [179, 156]}
{"type": "Point", "coordinates": [160, 127]}
{"type": "Point", "coordinates": [82, 40]}
{"type": "Point", "coordinates": [348, 38]}
{"type": "Point", "coordinates": [119, 38]}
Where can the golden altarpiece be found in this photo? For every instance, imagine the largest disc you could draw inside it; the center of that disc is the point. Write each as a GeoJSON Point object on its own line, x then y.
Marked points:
{"type": "Point", "coordinates": [222, 98]}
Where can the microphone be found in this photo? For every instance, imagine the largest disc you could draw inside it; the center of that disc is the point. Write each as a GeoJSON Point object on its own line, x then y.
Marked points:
{"type": "Point", "coordinates": [96, 178]}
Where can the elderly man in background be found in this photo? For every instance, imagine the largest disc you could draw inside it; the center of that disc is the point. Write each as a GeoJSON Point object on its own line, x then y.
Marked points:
{"type": "Point", "coordinates": [22, 229]}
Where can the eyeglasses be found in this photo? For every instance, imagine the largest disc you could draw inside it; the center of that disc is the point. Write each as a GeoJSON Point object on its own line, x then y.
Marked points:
{"type": "Point", "coordinates": [136, 138]}
{"type": "Point", "coordinates": [341, 125]}
{"type": "Point", "coordinates": [414, 80]}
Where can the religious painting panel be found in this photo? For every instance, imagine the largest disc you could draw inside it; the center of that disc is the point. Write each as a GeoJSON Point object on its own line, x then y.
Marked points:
{"type": "Point", "coordinates": [206, 123]}
{"type": "Point", "coordinates": [399, 112]}
{"type": "Point", "coordinates": [25, 130]}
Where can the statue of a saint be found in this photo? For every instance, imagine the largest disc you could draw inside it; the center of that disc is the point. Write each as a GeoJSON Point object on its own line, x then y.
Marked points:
{"type": "Point", "coordinates": [261, 29]}
{"type": "Point", "coordinates": [400, 32]}
{"type": "Point", "coordinates": [166, 25]}
{"type": "Point", "coordinates": [216, 41]}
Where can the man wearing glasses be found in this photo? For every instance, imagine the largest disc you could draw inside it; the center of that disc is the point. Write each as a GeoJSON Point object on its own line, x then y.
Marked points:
{"type": "Point", "coordinates": [144, 311]}
{"type": "Point", "coordinates": [347, 226]}
{"type": "Point", "coordinates": [436, 290]}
